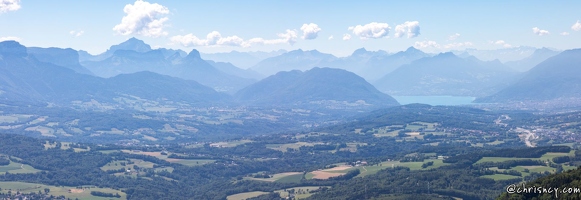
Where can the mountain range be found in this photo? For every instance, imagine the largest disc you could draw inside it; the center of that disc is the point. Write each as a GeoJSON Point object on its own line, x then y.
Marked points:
{"type": "Point", "coordinates": [243, 60]}
{"type": "Point", "coordinates": [26, 79]}
{"type": "Point", "coordinates": [134, 55]}
{"type": "Point", "coordinates": [557, 77]}
{"type": "Point", "coordinates": [531, 61]}
{"type": "Point", "coordinates": [447, 74]}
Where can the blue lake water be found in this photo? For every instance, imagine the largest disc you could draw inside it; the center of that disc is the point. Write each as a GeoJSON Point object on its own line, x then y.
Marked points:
{"type": "Point", "coordinates": [435, 100]}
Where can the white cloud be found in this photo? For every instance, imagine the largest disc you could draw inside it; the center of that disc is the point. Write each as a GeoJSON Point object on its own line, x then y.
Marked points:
{"type": "Point", "coordinates": [17, 39]}
{"type": "Point", "coordinates": [435, 45]}
{"type": "Point", "coordinates": [540, 32]}
{"type": "Point", "coordinates": [426, 44]}
{"type": "Point", "coordinates": [76, 33]}
{"type": "Point", "coordinates": [330, 37]}
{"type": "Point", "coordinates": [346, 37]}
{"type": "Point", "coordinates": [411, 29]}
{"type": "Point", "coordinates": [214, 38]}
{"type": "Point", "coordinates": [457, 45]}
{"type": "Point", "coordinates": [501, 43]}
{"type": "Point", "coordinates": [310, 31]}
{"type": "Point", "coordinates": [454, 36]}
{"type": "Point", "coordinates": [143, 18]}
{"type": "Point", "coordinates": [565, 33]}
{"type": "Point", "coordinates": [372, 30]}
{"type": "Point", "coordinates": [576, 26]}
{"type": "Point", "coordinates": [9, 5]}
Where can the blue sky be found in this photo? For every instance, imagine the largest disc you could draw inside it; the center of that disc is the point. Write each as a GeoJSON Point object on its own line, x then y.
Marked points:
{"type": "Point", "coordinates": [222, 26]}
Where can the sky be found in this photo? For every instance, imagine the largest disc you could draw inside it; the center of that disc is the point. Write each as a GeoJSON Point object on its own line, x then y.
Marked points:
{"type": "Point", "coordinates": [336, 27]}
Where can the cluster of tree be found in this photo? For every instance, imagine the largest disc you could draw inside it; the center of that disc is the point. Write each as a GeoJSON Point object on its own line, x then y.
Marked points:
{"type": "Point", "coordinates": [104, 194]}
{"type": "Point", "coordinates": [427, 164]}
{"type": "Point", "coordinates": [511, 163]}
{"type": "Point", "coordinates": [4, 161]}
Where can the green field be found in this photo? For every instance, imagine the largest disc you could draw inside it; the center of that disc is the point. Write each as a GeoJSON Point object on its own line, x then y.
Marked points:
{"type": "Point", "coordinates": [285, 147]}
{"type": "Point", "coordinates": [187, 162]}
{"type": "Point", "coordinates": [69, 192]}
{"type": "Point", "coordinates": [547, 156]}
{"type": "Point", "coordinates": [286, 177]}
{"type": "Point", "coordinates": [291, 179]}
{"type": "Point", "coordinates": [117, 164]}
{"type": "Point", "coordinates": [245, 195]}
{"type": "Point", "coordinates": [300, 192]}
{"type": "Point", "coordinates": [498, 177]}
{"type": "Point", "coordinates": [499, 159]}
{"type": "Point", "coordinates": [191, 163]}
{"type": "Point", "coordinates": [17, 168]}
{"type": "Point", "coordinates": [369, 170]}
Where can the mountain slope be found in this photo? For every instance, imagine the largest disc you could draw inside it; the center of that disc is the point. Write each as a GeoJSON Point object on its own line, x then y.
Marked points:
{"type": "Point", "coordinates": [68, 58]}
{"type": "Point", "coordinates": [228, 68]}
{"type": "Point", "coordinates": [243, 60]}
{"type": "Point", "coordinates": [537, 57]}
{"type": "Point", "coordinates": [190, 67]}
{"type": "Point", "coordinates": [317, 84]}
{"type": "Point", "coordinates": [24, 79]}
{"type": "Point", "coordinates": [294, 60]}
{"type": "Point", "coordinates": [446, 74]}
{"type": "Point", "coordinates": [380, 65]}
{"type": "Point", "coordinates": [556, 77]}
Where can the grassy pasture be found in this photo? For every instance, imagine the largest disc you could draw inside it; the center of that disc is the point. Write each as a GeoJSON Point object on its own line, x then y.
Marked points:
{"type": "Point", "coordinates": [278, 177]}
{"type": "Point", "coordinates": [285, 147]}
{"type": "Point", "coordinates": [231, 143]}
{"type": "Point", "coordinates": [498, 177]}
{"type": "Point", "coordinates": [300, 192]}
{"type": "Point", "coordinates": [69, 192]}
{"type": "Point", "coordinates": [187, 162]}
{"type": "Point", "coordinates": [17, 168]}
{"type": "Point", "coordinates": [245, 195]}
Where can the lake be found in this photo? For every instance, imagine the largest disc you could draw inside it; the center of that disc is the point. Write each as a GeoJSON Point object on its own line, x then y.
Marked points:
{"type": "Point", "coordinates": [435, 100]}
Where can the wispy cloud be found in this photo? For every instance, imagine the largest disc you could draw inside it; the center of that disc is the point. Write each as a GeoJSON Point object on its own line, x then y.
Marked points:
{"type": "Point", "coordinates": [540, 32]}
{"type": "Point", "coordinates": [372, 30]}
{"type": "Point", "coordinates": [216, 39]}
{"type": "Point", "coordinates": [454, 36]}
{"type": "Point", "coordinates": [346, 37]}
{"type": "Point", "coordinates": [9, 5]}
{"type": "Point", "coordinates": [411, 29]}
{"type": "Point", "coordinates": [76, 33]}
{"type": "Point", "coordinates": [8, 38]}
{"type": "Point", "coordinates": [565, 33]}
{"type": "Point", "coordinates": [310, 31]}
{"type": "Point", "coordinates": [330, 37]}
{"type": "Point", "coordinates": [143, 18]}
{"type": "Point", "coordinates": [435, 45]}
{"type": "Point", "coordinates": [576, 26]}
{"type": "Point", "coordinates": [500, 43]}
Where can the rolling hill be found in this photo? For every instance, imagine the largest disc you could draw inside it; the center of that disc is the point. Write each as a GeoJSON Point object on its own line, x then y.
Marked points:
{"type": "Point", "coordinates": [317, 84]}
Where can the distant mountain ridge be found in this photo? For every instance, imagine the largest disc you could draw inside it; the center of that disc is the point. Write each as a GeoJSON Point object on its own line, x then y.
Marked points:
{"type": "Point", "coordinates": [135, 56]}
{"type": "Point", "coordinates": [446, 74]}
{"type": "Point", "coordinates": [370, 65]}
{"type": "Point", "coordinates": [317, 84]}
{"type": "Point", "coordinates": [244, 60]}
{"type": "Point", "coordinates": [294, 60]}
{"type": "Point", "coordinates": [534, 59]}
{"type": "Point", "coordinates": [25, 79]}
{"type": "Point", "coordinates": [68, 58]}
{"type": "Point", "coordinates": [557, 77]}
